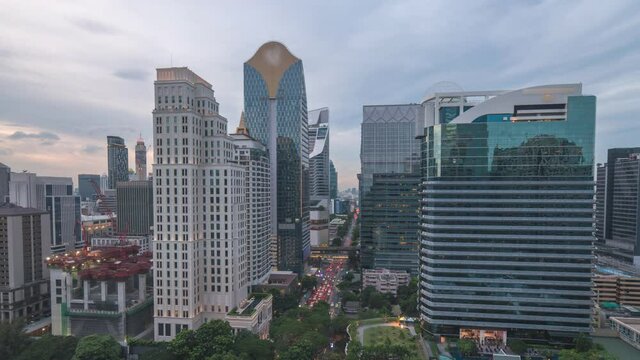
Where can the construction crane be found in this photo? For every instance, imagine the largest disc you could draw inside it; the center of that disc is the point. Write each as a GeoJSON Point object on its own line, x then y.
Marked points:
{"type": "Point", "coordinates": [100, 196]}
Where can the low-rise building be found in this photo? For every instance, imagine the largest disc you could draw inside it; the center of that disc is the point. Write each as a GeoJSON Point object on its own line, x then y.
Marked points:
{"type": "Point", "coordinates": [102, 291]}
{"type": "Point", "coordinates": [284, 281]}
{"type": "Point", "coordinates": [621, 289]}
{"type": "Point", "coordinates": [141, 241]}
{"type": "Point", "coordinates": [628, 329]}
{"type": "Point", "coordinates": [384, 280]}
{"type": "Point", "coordinates": [253, 314]}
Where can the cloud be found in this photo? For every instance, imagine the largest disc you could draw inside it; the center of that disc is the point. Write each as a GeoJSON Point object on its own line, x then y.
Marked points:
{"type": "Point", "coordinates": [132, 74]}
{"type": "Point", "coordinates": [92, 149]}
{"type": "Point", "coordinates": [94, 26]}
{"type": "Point", "coordinates": [5, 152]}
{"type": "Point", "coordinates": [47, 138]}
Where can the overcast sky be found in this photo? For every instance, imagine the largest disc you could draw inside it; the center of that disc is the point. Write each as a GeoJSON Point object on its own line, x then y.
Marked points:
{"type": "Point", "coordinates": [73, 73]}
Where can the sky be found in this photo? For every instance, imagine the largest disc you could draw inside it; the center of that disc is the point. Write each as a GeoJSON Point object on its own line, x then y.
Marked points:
{"type": "Point", "coordinates": [73, 73]}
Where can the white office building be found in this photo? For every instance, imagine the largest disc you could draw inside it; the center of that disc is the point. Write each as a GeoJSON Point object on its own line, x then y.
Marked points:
{"type": "Point", "coordinates": [200, 248]}
{"type": "Point", "coordinates": [254, 157]}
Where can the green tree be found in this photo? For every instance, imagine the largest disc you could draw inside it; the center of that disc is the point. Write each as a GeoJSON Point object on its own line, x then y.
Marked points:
{"type": "Point", "coordinates": [250, 346]}
{"type": "Point", "coordinates": [308, 282]}
{"type": "Point", "coordinates": [518, 346]}
{"type": "Point", "coordinates": [378, 301]}
{"type": "Point", "coordinates": [467, 347]}
{"type": "Point", "coordinates": [583, 343]}
{"type": "Point", "coordinates": [213, 338]}
{"type": "Point", "coordinates": [336, 242]}
{"type": "Point", "coordinates": [12, 339]}
{"type": "Point", "coordinates": [302, 350]}
{"type": "Point", "coordinates": [386, 351]}
{"type": "Point", "coordinates": [354, 351]}
{"type": "Point", "coordinates": [97, 347]}
{"type": "Point", "coordinates": [160, 353]}
{"type": "Point", "coordinates": [50, 347]}
{"type": "Point", "coordinates": [348, 276]}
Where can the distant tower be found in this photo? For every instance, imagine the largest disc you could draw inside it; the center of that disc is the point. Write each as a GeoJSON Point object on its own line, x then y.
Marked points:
{"type": "Point", "coordinates": [118, 160]}
{"type": "Point", "coordinates": [275, 104]}
{"type": "Point", "coordinates": [141, 159]}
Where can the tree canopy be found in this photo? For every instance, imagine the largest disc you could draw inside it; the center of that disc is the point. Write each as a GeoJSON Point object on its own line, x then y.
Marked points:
{"type": "Point", "coordinates": [97, 347]}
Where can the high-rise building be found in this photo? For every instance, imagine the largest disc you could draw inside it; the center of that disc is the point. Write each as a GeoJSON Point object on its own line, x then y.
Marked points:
{"type": "Point", "coordinates": [54, 195]}
{"type": "Point", "coordinates": [391, 223]}
{"type": "Point", "coordinates": [333, 181]}
{"type": "Point", "coordinates": [5, 177]}
{"type": "Point", "coordinates": [507, 213]}
{"type": "Point", "coordinates": [25, 235]}
{"type": "Point", "coordinates": [275, 104]}
{"type": "Point", "coordinates": [118, 160]}
{"type": "Point", "coordinates": [319, 166]}
{"type": "Point", "coordinates": [390, 165]}
{"type": "Point", "coordinates": [141, 160]}
{"type": "Point", "coordinates": [134, 201]}
{"type": "Point", "coordinates": [254, 157]}
{"type": "Point", "coordinates": [618, 205]}
{"type": "Point", "coordinates": [199, 245]}
{"type": "Point", "coordinates": [104, 182]}
{"type": "Point", "coordinates": [86, 186]}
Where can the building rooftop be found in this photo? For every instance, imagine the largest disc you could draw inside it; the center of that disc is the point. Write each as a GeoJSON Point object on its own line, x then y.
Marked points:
{"type": "Point", "coordinates": [8, 209]}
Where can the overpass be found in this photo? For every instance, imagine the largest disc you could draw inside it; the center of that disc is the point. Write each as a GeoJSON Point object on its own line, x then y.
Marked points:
{"type": "Point", "coordinates": [333, 250]}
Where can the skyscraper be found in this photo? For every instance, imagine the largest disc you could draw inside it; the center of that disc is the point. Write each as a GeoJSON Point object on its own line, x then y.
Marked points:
{"type": "Point", "coordinates": [5, 177]}
{"type": "Point", "coordinates": [319, 167]}
{"type": "Point", "coordinates": [389, 196]}
{"type": "Point", "coordinates": [254, 156]}
{"type": "Point", "coordinates": [507, 212]}
{"type": "Point", "coordinates": [618, 205]}
{"type": "Point", "coordinates": [118, 160]}
{"type": "Point", "coordinates": [275, 104]}
{"type": "Point", "coordinates": [85, 186]}
{"type": "Point", "coordinates": [199, 246]}
{"type": "Point", "coordinates": [55, 196]}
{"type": "Point", "coordinates": [333, 181]}
{"type": "Point", "coordinates": [141, 160]}
{"type": "Point", "coordinates": [25, 235]}
{"type": "Point", "coordinates": [134, 201]}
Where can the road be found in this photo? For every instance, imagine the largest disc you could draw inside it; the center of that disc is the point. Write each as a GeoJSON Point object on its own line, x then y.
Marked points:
{"type": "Point", "coordinates": [346, 240]}
{"type": "Point", "coordinates": [328, 277]}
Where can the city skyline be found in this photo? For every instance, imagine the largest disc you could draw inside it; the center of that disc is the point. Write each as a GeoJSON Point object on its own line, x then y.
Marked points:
{"type": "Point", "coordinates": [40, 109]}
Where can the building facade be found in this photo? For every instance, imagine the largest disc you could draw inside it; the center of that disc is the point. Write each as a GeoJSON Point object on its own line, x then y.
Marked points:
{"type": "Point", "coordinates": [389, 196]}
{"type": "Point", "coordinates": [199, 246]}
{"type": "Point", "coordinates": [25, 235]}
{"type": "Point", "coordinates": [333, 181]}
{"type": "Point", "coordinates": [254, 157]}
{"type": "Point", "coordinates": [391, 225]}
{"type": "Point", "coordinates": [384, 280]}
{"type": "Point", "coordinates": [507, 212]}
{"type": "Point", "coordinates": [141, 160]}
{"type": "Point", "coordinates": [134, 200]}
{"type": "Point", "coordinates": [618, 205]}
{"type": "Point", "coordinates": [319, 165]}
{"type": "Point", "coordinates": [5, 178]}
{"type": "Point", "coordinates": [55, 196]}
{"type": "Point", "coordinates": [86, 187]}
{"type": "Point", "coordinates": [117, 160]}
{"type": "Point", "coordinates": [275, 105]}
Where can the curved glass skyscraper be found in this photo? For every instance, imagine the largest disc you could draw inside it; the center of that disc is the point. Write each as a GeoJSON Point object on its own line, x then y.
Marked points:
{"type": "Point", "coordinates": [275, 104]}
{"type": "Point", "coordinates": [507, 212]}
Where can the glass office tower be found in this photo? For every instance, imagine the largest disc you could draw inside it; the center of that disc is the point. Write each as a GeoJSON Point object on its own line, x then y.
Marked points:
{"type": "Point", "coordinates": [507, 214]}
{"type": "Point", "coordinates": [389, 196]}
{"type": "Point", "coordinates": [275, 105]}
